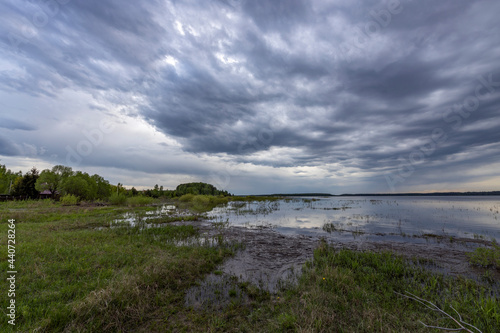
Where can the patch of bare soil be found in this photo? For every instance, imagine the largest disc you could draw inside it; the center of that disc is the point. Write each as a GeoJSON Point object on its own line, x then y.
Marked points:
{"type": "Point", "coordinates": [269, 259]}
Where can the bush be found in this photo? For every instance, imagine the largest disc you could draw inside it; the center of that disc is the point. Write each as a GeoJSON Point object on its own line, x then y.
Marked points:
{"type": "Point", "coordinates": [218, 200]}
{"type": "Point", "coordinates": [69, 200]}
{"type": "Point", "coordinates": [201, 203]}
{"type": "Point", "coordinates": [117, 199]}
{"type": "Point", "coordinates": [487, 257]}
{"type": "Point", "coordinates": [205, 203]}
{"type": "Point", "coordinates": [139, 201]}
{"type": "Point", "coordinates": [187, 198]}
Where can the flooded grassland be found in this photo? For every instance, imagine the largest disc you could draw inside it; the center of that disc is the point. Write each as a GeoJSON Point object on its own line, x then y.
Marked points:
{"type": "Point", "coordinates": [441, 229]}
{"type": "Point", "coordinates": [287, 264]}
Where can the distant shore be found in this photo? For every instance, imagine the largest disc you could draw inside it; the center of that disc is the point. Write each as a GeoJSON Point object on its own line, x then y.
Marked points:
{"type": "Point", "coordinates": [376, 194]}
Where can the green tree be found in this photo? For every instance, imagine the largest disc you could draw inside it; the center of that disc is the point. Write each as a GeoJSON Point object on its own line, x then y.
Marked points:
{"type": "Point", "coordinates": [7, 179]}
{"type": "Point", "coordinates": [103, 188]}
{"type": "Point", "coordinates": [92, 185]}
{"type": "Point", "coordinates": [198, 188]}
{"type": "Point", "coordinates": [25, 186]}
{"type": "Point", "coordinates": [48, 180]}
{"type": "Point", "coordinates": [52, 179]}
{"type": "Point", "coordinates": [61, 178]}
{"type": "Point", "coordinates": [156, 191]}
{"type": "Point", "coordinates": [76, 185]}
{"type": "Point", "coordinates": [3, 179]}
{"type": "Point", "coordinates": [134, 191]}
{"type": "Point", "coordinates": [63, 171]}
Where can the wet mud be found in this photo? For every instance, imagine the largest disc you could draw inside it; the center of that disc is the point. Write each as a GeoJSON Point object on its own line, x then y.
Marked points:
{"type": "Point", "coordinates": [271, 256]}
{"type": "Point", "coordinates": [269, 260]}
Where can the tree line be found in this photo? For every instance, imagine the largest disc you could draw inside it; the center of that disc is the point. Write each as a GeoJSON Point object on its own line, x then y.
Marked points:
{"type": "Point", "coordinates": [62, 180]}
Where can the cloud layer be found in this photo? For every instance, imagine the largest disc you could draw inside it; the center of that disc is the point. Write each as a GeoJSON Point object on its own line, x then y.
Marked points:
{"type": "Point", "coordinates": [256, 96]}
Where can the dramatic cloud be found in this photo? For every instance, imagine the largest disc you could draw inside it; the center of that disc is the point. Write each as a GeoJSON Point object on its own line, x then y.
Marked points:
{"type": "Point", "coordinates": [256, 96]}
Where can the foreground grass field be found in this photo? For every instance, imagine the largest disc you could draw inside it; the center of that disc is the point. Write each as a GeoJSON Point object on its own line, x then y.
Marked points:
{"type": "Point", "coordinates": [75, 274]}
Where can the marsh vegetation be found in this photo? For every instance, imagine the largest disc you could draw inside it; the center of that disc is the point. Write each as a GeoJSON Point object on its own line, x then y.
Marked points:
{"type": "Point", "coordinates": [87, 268]}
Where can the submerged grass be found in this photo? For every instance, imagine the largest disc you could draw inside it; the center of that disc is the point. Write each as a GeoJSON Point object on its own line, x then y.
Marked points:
{"type": "Point", "coordinates": [200, 203]}
{"type": "Point", "coordinates": [355, 291]}
{"type": "Point", "coordinates": [349, 291]}
{"type": "Point", "coordinates": [256, 198]}
{"type": "Point", "coordinates": [486, 257]}
{"type": "Point", "coordinates": [139, 201]}
{"type": "Point", "coordinates": [76, 278]}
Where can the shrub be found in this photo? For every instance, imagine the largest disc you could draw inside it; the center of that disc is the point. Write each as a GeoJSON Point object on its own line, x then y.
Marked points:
{"type": "Point", "coordinates": [69, 200]}
{"type": "Point", "coordinates": [117, 199]}
{"type": "Point", "coordinates": [186, 197]}
{"type": "Point", "coordinates": [200, 203]}
{"type": "Point", "coordinates": [204, 203]}
{"type": "Point", "coordinates": [487, 257]}
{"type": "Point", "coordinates": [218, 200]}
{"type": "Point", "coordinates": [139, 201]}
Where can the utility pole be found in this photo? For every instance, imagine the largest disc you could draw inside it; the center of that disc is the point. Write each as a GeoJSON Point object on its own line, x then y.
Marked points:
{"type": "Point", "coordinates": [10, 186]}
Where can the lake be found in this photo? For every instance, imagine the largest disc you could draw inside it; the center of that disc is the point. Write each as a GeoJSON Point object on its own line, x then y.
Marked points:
{"type": "Point", "coordinates": [397, 218]}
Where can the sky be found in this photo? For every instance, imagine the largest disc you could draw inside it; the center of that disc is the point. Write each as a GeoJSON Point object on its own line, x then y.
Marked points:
{"type": "Point", "coordinates": [255, 96]}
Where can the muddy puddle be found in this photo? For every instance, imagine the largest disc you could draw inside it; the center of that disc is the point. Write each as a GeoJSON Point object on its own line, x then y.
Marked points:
{"type": "Point", "coordinates": [270, 260]}
{"type": "Point", "coordinates": [160, 217]}
{"type": "Point", "coordinates": [267, 261]}
{"type": "Point", "coordinates": [278, 237]}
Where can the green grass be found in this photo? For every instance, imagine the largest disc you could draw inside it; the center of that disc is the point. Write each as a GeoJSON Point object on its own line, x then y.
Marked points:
{"type": "Point", "coordinates": [349, 291]}
{"type": "Point", "coordinates": [356, 291]}
{"type": "Point", "coordinates": [117, 199]}
{"type": "Point", "coordinates": [168, 219]}
{"type": "Point", "coordinates": [486, 257]}
{"type": "Point", "coordinates": [69, 200]}
{"type": "Point", "coordinates": [74, 277]}
{"type": "Point", "coordinates": [139, 201]}
{"type": "Point", "coordinates": [200, 203]}
{"type": "Point", "coordinates": [251, 198]}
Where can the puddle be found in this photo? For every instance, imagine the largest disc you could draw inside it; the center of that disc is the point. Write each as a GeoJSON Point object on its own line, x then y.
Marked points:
{"type": "Point", "coordinates": [268, 261]}
{"type": "Point", "coordinates": [268, 258]}
{"type": "Point", "coordinates": [210, 238]}
{"type": "Point", "coordinates": [163, 210]}
{"type": "Point", "coordinates": [133, 223]}
{"type": "Point", "coordinates": [280, 236]}
{"type": "Point", "coordinates": [163, 215]}
{"type": "Point", "coordinates": [271, 259]}
{"type": "Point", "coordinates": [216, 291]}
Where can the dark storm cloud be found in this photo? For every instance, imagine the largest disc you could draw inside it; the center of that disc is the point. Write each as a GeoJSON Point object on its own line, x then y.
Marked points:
{"type": "Point", "coordinates": [280, 15]}
{"type": "Point", "coordinates": [8, 148]}
{"type": "Point", "coordinates": [14, 124]}
{"type": "Point", "coordinates": [409, 78]}
{"type": "Point", "coordinates": [245, 77]}
{"type": "Point", "coordinates": [86, 44]}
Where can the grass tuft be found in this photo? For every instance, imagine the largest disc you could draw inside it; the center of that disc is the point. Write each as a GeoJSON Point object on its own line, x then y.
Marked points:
{"type": "Point", "coordinates": [118, 199]}
{"type": "Point", "coordinates": [486, 257]}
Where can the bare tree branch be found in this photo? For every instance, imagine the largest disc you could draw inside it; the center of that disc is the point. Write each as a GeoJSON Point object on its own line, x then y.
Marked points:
{"type": "Point", "coordinates": [434, 307]}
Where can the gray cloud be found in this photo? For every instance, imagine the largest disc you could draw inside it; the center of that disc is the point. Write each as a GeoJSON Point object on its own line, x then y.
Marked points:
{"type": "Point", "coordinates": [280, 15]}
{"type": "Point", "coordinates": [14, 124]}
{"type": "Point", "coordinates": [243, 78]}
{"type": "Point", "coordinates": [7, 147]}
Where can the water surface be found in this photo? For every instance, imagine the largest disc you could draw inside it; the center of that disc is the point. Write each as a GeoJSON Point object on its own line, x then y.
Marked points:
{"type": "Point", "coordinates": [376, 218]}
